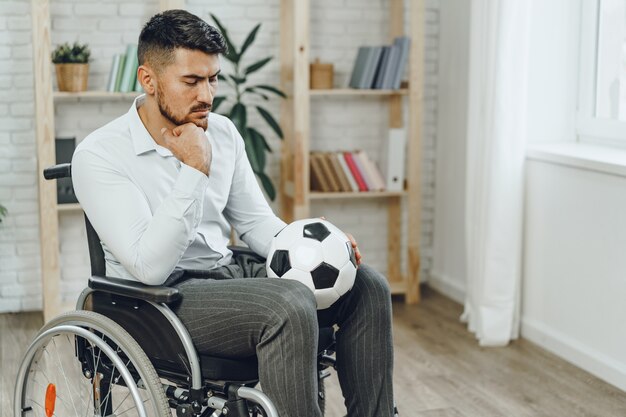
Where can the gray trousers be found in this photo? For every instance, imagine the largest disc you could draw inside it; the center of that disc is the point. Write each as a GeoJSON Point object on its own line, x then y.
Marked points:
{"type": "Point", "coordinates": [236, 311]}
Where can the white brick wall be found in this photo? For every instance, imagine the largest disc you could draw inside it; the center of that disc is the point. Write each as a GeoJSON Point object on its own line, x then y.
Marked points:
{"type": "Point", "coordinates": [20, 282]}
{"type": "Point", "coordinates": [338, 27]}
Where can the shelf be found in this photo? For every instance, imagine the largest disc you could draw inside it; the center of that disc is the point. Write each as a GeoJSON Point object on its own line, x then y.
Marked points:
{"type": "Point", "coordinates": [69, 207]}
{"type": "Point", "coordinates": [94, 95]}
{"type": "Point", "coordinates": [316, 195]}
{"type": "Point", "coordinates": [358, 92]}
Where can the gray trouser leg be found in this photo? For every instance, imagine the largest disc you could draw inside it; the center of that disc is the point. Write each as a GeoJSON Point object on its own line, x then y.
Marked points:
{"type": "Point", "coordinates": [364, 345]}
{"type": "Point", "coordinates": [274, 319]}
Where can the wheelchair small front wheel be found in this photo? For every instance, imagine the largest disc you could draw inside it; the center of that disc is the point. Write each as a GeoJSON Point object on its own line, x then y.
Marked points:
{"type": "Point", "coordinates": [83, 363]}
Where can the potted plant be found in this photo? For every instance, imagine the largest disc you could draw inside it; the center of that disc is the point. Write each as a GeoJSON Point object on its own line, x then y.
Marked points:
{"type": "Point", "coordinates": [72, 66]}
{"type": "Point", "coordinates": [256, 145]}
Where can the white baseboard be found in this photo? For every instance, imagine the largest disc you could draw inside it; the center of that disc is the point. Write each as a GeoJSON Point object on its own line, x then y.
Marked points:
{"type": "Point", "coordinates": [592, 361]}
{"type": "Point", "coordinates": [449, 287]}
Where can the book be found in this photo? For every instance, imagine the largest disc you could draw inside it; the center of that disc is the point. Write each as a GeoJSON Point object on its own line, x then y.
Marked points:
{"type": "Point", "coordinates": [403, 44]}
{"type": "Point", "coordinates": [359, 64]}
{"type": "Point", "coordinates": [372, 170]}
{"type": "Point", "coordinates": [129, 73]}
{"type": "Point", "coordinates": [115, 64]}
{"type": "Point", "coordinates": [315, 176]}
{"type": "Point", "coordinates": [341, 176]}
{"type": "Point", "coordinates": [342, 161]}
{"type": "Point", "coordinates": [382, 67]}
{"type": "Point", "coordinates": [120, 70]}
{"type": "Point", "coordinates": [355, 171]}
{"type": "Point", "coordinates": [319, 182]}
{"type": "Point", "coordinates": [363, 171]}
{"type": "Point", "coordinates": [392, 62]}
{"type": "Point", "coordinates": [138, 86]}
{"type": "Point", "coordinates": [370, 65]}
{"type": "Point", "coordinates": [329, 172]}
{"type": "Point", "coordinates": [393, 160]}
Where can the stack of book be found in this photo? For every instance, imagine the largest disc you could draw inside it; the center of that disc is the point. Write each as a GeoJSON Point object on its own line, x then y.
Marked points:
{"type": "Point", "coordinates": [123, 74]}
{"type": "Point", "coordinates": [381, 67]}
{"type": "Point", "coordinates": [344, 172]}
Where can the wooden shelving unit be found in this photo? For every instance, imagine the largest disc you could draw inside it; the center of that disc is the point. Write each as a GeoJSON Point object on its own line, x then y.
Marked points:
{"type": "Point", "coordinates": [356, 92]}
{"type": "Point", "coordinates": [93, 95]}
{"type": "Point", "coordinates": [296, 198]}
{"type": "Point", "coordinates": [44, 115]}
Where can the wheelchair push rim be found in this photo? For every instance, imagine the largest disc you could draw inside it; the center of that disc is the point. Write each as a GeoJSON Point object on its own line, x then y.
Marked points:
{"type": "Point", "coordinates": [53, 381]}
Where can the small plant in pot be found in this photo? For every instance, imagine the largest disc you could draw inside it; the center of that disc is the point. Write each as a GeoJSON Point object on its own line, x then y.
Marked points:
{"type": "Point", "coordinates": [72, 66]}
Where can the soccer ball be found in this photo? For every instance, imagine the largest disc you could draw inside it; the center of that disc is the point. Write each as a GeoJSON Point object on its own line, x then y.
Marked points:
{"type": "Point", "coordinates": [316, 253]}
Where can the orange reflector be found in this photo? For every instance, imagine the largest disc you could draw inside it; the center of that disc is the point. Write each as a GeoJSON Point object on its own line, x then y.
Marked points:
{"type": "Point", "coordinates": [51, 396]}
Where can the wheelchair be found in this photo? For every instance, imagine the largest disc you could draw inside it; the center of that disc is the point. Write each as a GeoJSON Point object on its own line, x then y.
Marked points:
{"type": "Point", "coordinates": [123, 352]}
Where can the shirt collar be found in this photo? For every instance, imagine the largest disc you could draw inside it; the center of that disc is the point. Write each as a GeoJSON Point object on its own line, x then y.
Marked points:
{"type": "Point", "coordinates": [142, 141]}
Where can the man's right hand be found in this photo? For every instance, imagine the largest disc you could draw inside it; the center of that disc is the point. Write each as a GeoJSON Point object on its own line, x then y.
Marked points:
{"type": "Point", "coordinates": [190, 145]}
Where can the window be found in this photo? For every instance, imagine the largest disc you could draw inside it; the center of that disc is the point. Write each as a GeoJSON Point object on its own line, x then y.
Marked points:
{"type": "Point", "coordinates": [602, 95]}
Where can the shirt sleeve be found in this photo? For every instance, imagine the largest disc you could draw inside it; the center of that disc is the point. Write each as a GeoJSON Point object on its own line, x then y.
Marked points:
{"type": "Point", "coordinates": [247, 209]}
{"type": "Point", "coordinates": [148, 245]}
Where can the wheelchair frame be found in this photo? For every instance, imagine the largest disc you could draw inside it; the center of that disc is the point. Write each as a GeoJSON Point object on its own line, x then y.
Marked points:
{"type": "Point", "coordinates": [192, 392]}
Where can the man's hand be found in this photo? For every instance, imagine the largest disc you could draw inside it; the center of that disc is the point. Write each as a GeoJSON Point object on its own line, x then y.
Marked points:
{"type": "Point", "coordinates": [357, 252]}
{"type": "Point", "coordinates": [190, 145]}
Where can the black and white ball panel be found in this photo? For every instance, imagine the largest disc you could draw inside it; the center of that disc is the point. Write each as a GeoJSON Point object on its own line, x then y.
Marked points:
{"type": "Point", "coordinates": [317, 231]}
{"type": "Point", "coordinates": [280, 263]}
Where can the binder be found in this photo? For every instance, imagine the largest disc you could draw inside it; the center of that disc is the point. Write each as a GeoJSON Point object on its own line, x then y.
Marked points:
{"type": "Point", "coordinates": [394, 159]}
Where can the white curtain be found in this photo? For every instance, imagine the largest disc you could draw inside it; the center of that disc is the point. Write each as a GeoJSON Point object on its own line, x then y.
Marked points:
{"type": "Point", "coordinates": [499, 39]}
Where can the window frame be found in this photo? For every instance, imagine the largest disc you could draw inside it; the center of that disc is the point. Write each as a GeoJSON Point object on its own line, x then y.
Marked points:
{"type": "Point", "coordinates": [589, 128]}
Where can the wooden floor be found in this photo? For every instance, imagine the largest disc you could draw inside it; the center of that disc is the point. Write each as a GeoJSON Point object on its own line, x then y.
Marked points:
{"type": "Point", "coordinates": [440, 370]}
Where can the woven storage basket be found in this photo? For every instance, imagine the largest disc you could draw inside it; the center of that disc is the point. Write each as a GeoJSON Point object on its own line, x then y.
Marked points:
{"type": "Point", "coordinates": [72, 77]}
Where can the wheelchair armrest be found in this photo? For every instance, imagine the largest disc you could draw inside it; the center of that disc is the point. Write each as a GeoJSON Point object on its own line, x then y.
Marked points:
{"type": "Point", "coordinates": [58, 171]}
{"type": "Point", "coordinates": [134, 289]}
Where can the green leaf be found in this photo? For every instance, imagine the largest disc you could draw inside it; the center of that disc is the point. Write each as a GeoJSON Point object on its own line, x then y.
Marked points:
{"type": "Point", "coordinates": [272, 89]}
{"type": "Point", "coordinates": [251, 90]}
{"type": "Point", "coordinates": [217, 101]}
{"type": "Point", "coordinates": [257, 65]}
{"type": "Point", "coordinates": [251, 152]}
{"type": "Point", "coordinates": [258, 146]}
{"type": "Point", "coordinates": [239, 117]}
{"type": "Point", "coordinates": [267, 185]}
{"type": "Point", "coordinates": [261, 138]}
{"type": "Point", "coordinates": [237, 80]}
{"type": "Point", "coordinates": [3, 212]}
{"type": "Point", "coordinates": [231, 54]}
{"type": "Point", "coordinates": [249, 39]}
{"type": "Point", "coordinates": [270, 121]}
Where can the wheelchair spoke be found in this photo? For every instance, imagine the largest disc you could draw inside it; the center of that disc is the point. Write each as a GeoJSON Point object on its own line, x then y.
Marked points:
{"type": "Point", "coordinates": [133, 407]}
{"type": "Point", "coordinates": [120, 404]}
{"type": "Point", "coordinates": [65, 378]}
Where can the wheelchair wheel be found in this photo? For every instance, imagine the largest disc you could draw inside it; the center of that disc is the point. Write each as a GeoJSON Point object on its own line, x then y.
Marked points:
{"type": "Point", "coordinates": [82, 363]}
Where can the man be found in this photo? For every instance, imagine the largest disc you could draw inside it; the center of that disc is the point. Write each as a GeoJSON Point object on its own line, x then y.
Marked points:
{"type": "Point", "coordinates": [163, 184]}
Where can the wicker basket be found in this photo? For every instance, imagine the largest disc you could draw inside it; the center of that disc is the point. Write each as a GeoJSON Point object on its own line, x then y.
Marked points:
{"type": "Point", "coordinates": [321, 75]}
{"type": "Point", "coordinates": [72, 77]}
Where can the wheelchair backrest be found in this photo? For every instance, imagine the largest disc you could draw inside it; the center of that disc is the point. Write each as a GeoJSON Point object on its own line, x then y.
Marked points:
{"type": "Point", "coordinates": [96, 254]}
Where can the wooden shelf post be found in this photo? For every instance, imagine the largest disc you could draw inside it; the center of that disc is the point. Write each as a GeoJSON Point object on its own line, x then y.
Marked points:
{"type": "Point", "coordinates": [44, 115]}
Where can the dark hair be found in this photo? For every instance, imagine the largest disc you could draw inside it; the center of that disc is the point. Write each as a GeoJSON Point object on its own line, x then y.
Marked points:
{"type": "Point", "coordinates": [172, 29]}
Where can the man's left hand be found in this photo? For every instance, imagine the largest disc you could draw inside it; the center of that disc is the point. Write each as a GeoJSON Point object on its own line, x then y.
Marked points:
{"type": "Point", "coordinates": [357, 252]}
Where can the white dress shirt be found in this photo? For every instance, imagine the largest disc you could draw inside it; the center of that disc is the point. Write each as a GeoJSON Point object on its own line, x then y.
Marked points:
{"type": "Point", "coordinates": [154, 213]}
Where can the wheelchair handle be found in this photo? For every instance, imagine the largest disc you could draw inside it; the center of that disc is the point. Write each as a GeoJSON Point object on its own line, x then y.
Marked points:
{"type": "Point", "coordinates": [58, 171]}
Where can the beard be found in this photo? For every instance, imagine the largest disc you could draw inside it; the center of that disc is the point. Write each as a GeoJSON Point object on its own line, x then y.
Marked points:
{"type": "Point", "coordinates": [166, 111]}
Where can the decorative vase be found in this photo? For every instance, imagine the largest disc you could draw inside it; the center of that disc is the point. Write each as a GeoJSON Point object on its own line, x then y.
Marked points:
{"type": "Point", "coordinates": [72, 77]}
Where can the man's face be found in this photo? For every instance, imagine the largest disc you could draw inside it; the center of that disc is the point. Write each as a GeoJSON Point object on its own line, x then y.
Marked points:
{"type": "Point", "coordinates": [185, 88]}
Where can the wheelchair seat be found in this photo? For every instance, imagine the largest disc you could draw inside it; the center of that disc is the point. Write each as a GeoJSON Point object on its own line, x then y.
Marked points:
{"type": "Point", "coordinates": [128, 304]}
